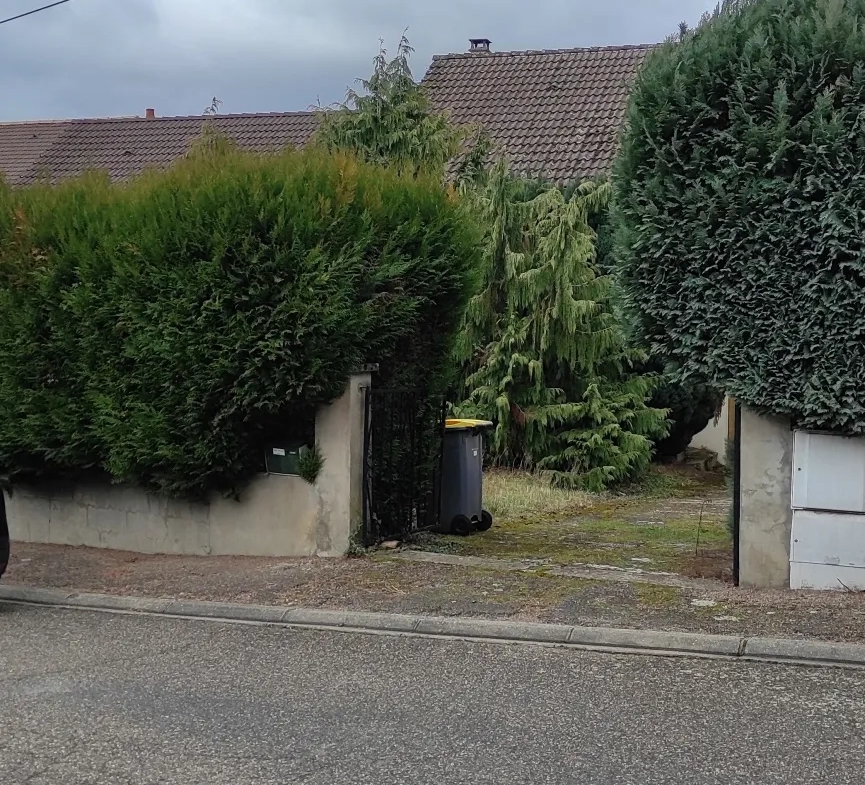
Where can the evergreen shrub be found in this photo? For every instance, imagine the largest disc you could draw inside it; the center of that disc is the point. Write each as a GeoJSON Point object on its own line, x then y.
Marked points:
{"type": "Point", "coordinates": [161, 330]}
{"type": "Point", "coordinates": [740, 206]}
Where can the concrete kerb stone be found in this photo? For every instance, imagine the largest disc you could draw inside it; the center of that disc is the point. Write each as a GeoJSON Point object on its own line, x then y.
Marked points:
{"type": "Point", "coordinates": [384, 622]}
{"type": "Point", "coordinates": [656, 640]}
{"type": "Point", "coordinates": [109, 602]}
{"type": "Point", "coordinates": [37, 596]}
{"type": "Point", "coordinates": [485, 628]}
{"type": "Point", "coordinates": [595, 638]}
{"type": "Point", "coordinates": [780, 650]}
{"type": "Point", "coordinates": [229, 611]}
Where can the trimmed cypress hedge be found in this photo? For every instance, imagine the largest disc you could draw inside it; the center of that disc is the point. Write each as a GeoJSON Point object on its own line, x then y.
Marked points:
{"type": "Point", "coordinates": [162, 329]}
{"type": "Point", "coordinates": [740, 206]}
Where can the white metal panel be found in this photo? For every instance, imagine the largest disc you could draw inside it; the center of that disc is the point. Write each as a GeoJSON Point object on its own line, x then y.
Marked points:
{"type": "Point", "coordinates": [833, 539]}
{"type": "Point", "coordinates": [826, 576]}
{"type": "Point", "coordinates": [828, 472]}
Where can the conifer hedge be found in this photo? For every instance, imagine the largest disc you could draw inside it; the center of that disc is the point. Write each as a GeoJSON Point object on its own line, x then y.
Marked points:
{"type": "Point", "coordinates": [740, 206]}
{"type": "Point", "coordinates": [162, 329]}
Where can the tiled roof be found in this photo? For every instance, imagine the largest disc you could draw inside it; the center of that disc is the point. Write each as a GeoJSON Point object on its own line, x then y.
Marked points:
{"type": "Point", "coordinates": [556, 113]}
{"type": "Point", "coordinates": [125, 146]}
{"type": "Point", "coordinates": [22, 144]}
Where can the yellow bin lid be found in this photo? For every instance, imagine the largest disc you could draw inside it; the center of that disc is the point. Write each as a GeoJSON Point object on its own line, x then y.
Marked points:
{"type": "Point", "coordinates": [467, 424]}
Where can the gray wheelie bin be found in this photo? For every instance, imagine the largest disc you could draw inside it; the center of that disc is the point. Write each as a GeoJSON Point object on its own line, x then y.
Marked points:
{"type": "Point", "coordinates": [462, 509]}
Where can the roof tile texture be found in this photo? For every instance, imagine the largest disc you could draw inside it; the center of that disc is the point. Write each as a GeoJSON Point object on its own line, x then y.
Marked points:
{"type": "Point", "coordinates": [125, 146]}
{"type": "Point", "coordinates": [556, 114]}
{"type": "Point", "coordinates": [23, 144]}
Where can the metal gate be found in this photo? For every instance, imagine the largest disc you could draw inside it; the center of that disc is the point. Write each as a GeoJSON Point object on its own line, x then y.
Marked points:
{"type": "Point", "coordinates": [403, 435]}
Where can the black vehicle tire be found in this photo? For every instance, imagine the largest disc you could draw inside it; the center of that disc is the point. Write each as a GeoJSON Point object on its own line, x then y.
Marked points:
{"type": "Point", "coordinates": [4, 537]}
{"type": "Point", "coordinates": [462, 525]}
{"type": "Point", "coordinates": [486, 521]}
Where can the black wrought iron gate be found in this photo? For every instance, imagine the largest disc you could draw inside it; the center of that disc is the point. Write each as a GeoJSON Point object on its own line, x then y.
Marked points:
{"type": "Point", "coordinates": [403, 434]}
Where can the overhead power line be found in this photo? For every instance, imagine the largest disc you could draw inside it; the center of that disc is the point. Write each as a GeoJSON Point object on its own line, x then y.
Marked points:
{"type": "Point", "coordinates": [34, 11]}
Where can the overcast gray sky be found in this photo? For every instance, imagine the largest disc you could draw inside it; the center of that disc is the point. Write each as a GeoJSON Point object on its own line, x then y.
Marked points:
{"type": "Point", "coordinates": [92, 58]}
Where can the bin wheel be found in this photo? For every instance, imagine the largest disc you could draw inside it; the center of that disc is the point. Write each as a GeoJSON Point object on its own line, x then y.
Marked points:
{"type": "Point", "coordinates": [462, 525]}
{"type": "Point", "coordinates": [486, 521]}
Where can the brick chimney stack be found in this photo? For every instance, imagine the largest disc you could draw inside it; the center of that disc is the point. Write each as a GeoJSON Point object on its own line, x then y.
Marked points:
{"type": "Point", "coordinates": [150, 114]}
{"type": "Point", "coordinates": [479, 44]}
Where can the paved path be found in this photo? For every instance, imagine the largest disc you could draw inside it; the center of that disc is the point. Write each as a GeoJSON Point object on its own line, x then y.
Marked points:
{"type": "Point", "coordinates": [100, 698]}
{"type": "Point", "coordinates": [600, 572]}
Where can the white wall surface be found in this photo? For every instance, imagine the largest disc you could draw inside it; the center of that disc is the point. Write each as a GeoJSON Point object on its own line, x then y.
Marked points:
{"type": "Point", "coordinates": [714, 436]}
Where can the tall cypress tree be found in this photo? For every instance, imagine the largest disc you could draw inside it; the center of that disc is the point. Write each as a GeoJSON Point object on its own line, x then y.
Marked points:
{"type": "Point", "coordinates": [545, 357]}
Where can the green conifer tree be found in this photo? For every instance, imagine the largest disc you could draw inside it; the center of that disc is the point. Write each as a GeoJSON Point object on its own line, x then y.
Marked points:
{"type": "Point", "coordinates": [390, 120]}
{"type": "Point", "coordinates": [545, 357]}
{"type": "Point", "coordinates": [541, 353]}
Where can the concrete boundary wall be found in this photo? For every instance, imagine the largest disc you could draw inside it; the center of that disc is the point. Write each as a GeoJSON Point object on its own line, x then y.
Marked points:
{"type": "Point", "coordinates": [274, 516]}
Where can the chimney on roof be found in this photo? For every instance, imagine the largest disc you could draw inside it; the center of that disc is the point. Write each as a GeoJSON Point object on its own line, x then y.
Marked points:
{"type": "Point", "coordinates": [479, 44]}
{"type": "Point", "coordinates": [150, 114]}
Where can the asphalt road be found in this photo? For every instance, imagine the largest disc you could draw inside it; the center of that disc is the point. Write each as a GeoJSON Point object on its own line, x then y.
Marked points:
{"type": "Point", "coordinates": [105, 699]}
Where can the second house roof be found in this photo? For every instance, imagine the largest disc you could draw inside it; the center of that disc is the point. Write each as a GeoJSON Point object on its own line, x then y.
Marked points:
{"type": "Point", "coordinates": [556, 114]}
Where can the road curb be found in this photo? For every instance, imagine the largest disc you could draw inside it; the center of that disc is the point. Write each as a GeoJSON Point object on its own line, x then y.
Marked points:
{"type": "Point", "coordinates": [657, 642]}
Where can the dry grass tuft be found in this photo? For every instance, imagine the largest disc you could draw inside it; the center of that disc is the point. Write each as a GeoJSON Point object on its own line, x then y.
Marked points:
{"type": "Point", "coordinates": [516, 495]}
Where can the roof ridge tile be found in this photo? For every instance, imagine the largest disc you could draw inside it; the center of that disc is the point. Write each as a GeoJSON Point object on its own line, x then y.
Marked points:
{"type": "Point", "coordinates": [521, 52]}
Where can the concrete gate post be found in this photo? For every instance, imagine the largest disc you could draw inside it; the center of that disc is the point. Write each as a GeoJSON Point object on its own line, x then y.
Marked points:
{"type": "Point", "coordinates": [766, 515]}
